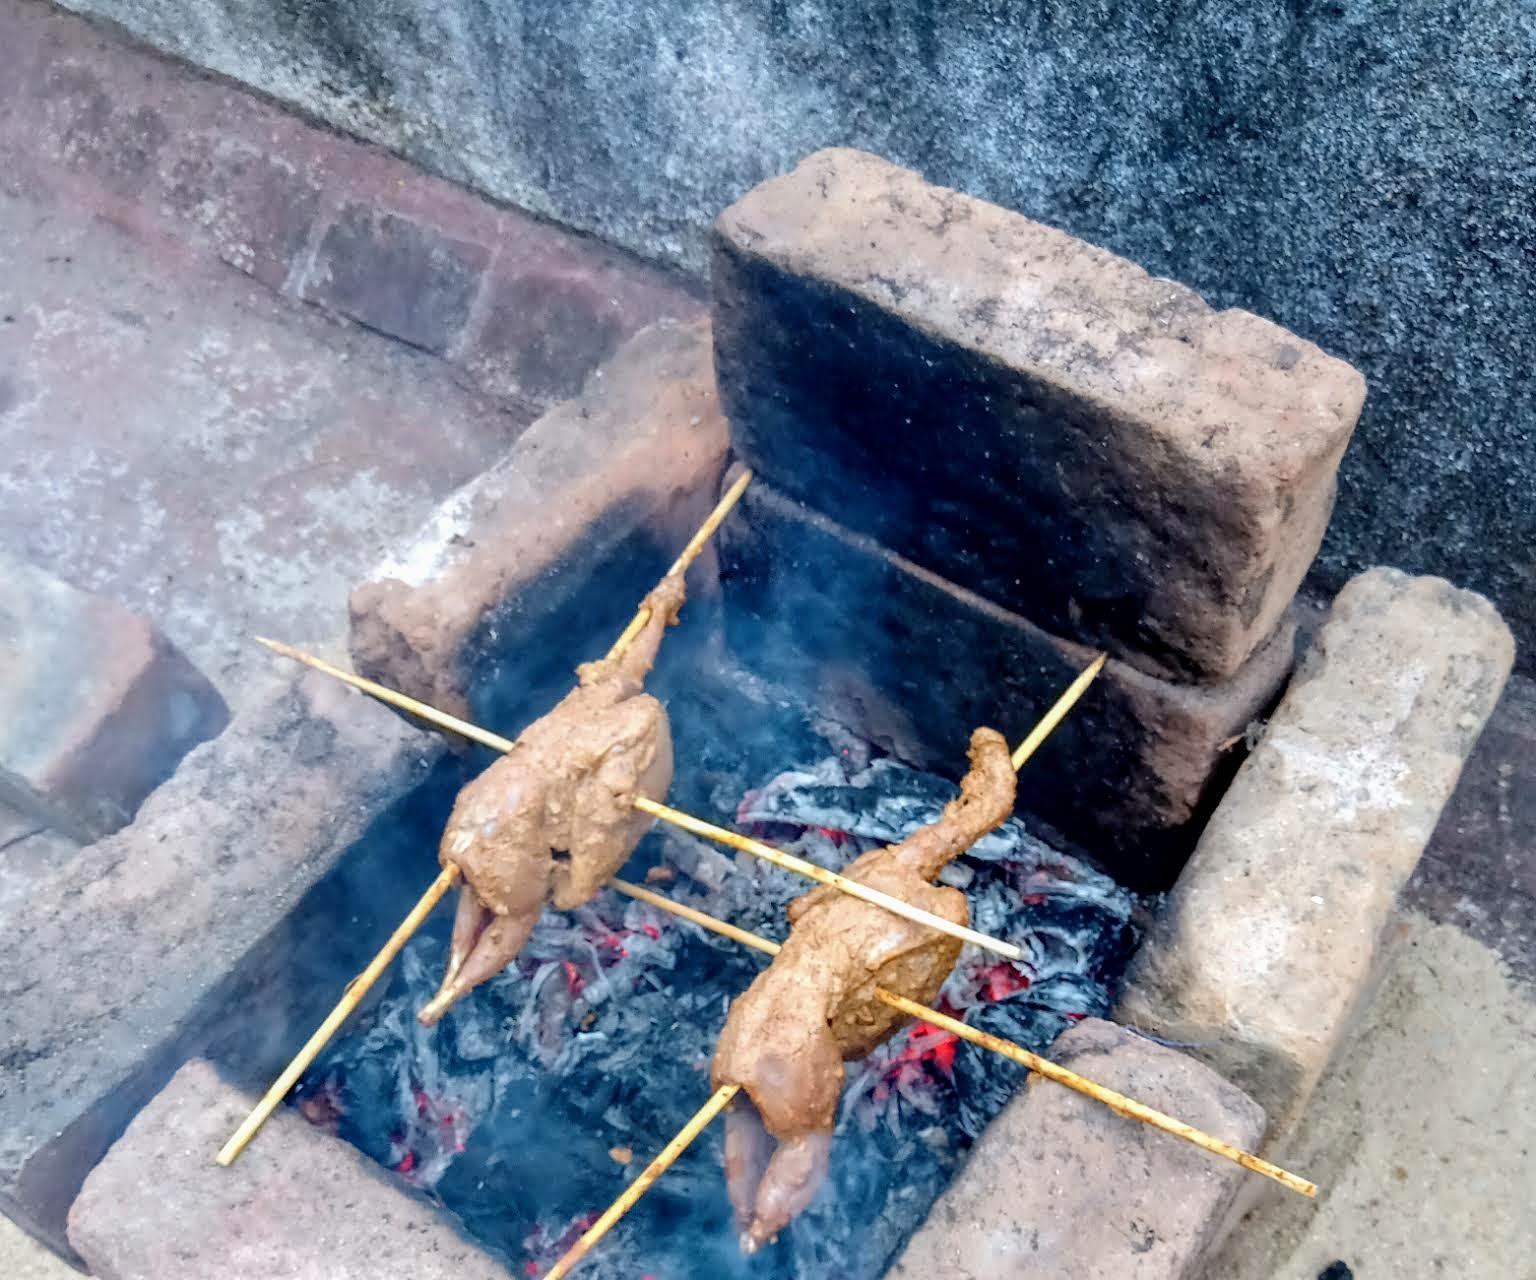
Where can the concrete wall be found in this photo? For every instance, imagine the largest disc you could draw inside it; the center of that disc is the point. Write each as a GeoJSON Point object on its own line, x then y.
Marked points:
{"type": "Point", "coordinates": [1359, 171]}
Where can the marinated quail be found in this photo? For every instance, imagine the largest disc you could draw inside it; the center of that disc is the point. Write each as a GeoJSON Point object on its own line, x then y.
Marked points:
{"type": "Point", "coordinates": [554, 818]}
{"type": "Point", "coordinates": [787, 1037]}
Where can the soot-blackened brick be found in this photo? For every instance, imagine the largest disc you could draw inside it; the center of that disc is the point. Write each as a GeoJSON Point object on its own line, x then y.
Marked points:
{"type": "Point", "coordinates": [915, 663]}
{"type": "Point", "coordinates": [612, 482]}
{"type": "Point", "coordinates": [403, 278]}
{"type": "Point", "coordinates": [1034, 418]}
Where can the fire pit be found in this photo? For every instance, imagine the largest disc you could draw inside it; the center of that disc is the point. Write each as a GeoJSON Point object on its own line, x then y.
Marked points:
{"type": "Point", "coordinates": [849, 646]}
{"type": "Point", "coordinates": [519, 1110]}
{"type": "Point", "coordinates": [985, 453]}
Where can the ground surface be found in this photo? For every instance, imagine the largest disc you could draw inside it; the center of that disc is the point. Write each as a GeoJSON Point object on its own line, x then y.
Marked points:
{"type": "Point", "coordinates": [228, 462]}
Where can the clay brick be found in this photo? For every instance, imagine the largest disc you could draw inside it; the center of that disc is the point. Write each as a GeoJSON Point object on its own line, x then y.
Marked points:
{"type": "Point", "coordinates": [401, 277]}
{"type": "Point", "coordinates": [254, 208]}
{"type": "Point", "coordinates": [119, 145]}
{"type": "Point", "coordinates": [915, 663]}
{"type": "Point", "coordinates": [96, 706]}
{"type": "Point", "coordinates": [556, 308]}
{"type": "Point", "coordinates": [122, 965]}
{"type": "Point", "coordinates": [1059, 1185]}
{"type": "Point", "coordinates": [520, 563]}
{"type": "Point", "coordinates": [1034, 418]}
{"type": "Point", "coordinates": [297, 1203]}
{"type": "Point", "coordinates": [1267, 944]}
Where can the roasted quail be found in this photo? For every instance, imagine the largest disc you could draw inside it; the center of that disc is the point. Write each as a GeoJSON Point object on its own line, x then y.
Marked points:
{"type": "Point", "coordinates": [787, 1037]}
{"type": "Point", "coordinates": [553, 819]}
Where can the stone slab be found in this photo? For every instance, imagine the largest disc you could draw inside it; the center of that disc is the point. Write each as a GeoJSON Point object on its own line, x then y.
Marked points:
{"type": "Point", "coordinates": [914, 663]}
{"type": "Point", "coordinates": [1028, 415]}
{"type": "Point", "coordinates": [1267, 945]}
{"type": "Point", "coordinates": [1058, 1185]}
{"type": "Point", "coordinates": [115, 972]}
{"type": "Point", "coordinates": [298, 1204]}
{"type": "Point", "coordinates": [96, 705]}
{"type": "Point", "coordinates": [513, 565]}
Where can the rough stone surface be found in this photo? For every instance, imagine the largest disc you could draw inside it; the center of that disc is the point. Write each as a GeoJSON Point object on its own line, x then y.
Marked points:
{"type": "Point", "coordinates": [1405, 1193]}
{"type": "Point", "coordinates": [516, 551]}
{"type": "Point", "coordinates": [223, 463]}
{"type": "Point", "coordinates": [1059, 1185]}
{"type": "Point", "coordinates": [1356, 172]}
{"type": "Point", "coordinates": [115, 971]}
{"type": "Point", "coordinates": [96, 706]}
{"type": "Point", "coordinates": [915, 663]}
{"type": "Point", "coordinates": [29, 851]}
{"type": "Point", "coordinates": [1267, 944]}
{"type": "Point", "coordinates": [297, 1204]}
{"type": "Point", "coordinates": [1479, 871]}
{"type": "Point", "coordinates": [1032, 417]}
{"type": "Point", "coordinates": [191, 167]}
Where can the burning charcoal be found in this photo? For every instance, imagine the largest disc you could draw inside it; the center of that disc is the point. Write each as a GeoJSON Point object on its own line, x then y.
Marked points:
{"type": "Point", "coordinates": [538, 1076]}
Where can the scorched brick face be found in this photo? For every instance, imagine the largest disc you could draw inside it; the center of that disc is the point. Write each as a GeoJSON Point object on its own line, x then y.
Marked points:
{"type": "Point", "coordinates": [1032, 417]}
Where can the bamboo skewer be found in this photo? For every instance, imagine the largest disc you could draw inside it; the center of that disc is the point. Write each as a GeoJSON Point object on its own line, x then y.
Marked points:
{"type": "Point", "coordinates": [689, 554]}
{"type": "Point", "coordinates": [821, 875]}
{"type": "Point", "coordinates": [359, 987]}
{"type": "Point", "coordinates": [734, 839]}
{"type": "Point", "coordinates": [1116, 1102]}
{"type": "Point", "coordinates": [1058, 712]}
{"type": "Point", "coordinates": [350, 999]}
{"type": "Point", "coordinates": [632, 1193]}
{"type": "Point", "coordinates": [394, 698]}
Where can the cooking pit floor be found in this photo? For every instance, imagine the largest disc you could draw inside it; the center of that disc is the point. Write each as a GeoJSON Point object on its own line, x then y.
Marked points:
{"type": "Point", "coordinates": [305, 446]}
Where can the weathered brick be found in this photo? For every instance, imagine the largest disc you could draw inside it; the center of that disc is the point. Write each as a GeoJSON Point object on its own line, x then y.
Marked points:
{"type": "Point", "coordinates": [96, 706]}
{"type": "Point", "coordinates": [401, 277]}
{"type": "Point", "coordinates": [520, 560]}
{"type": "Point", "coordinates": [556, 308]}
{"type": "Point", "coordinates": [915, 663]}
{"type": "Point", "coordinates": [255, 208]}
{"type": "Point", "coordinates": [1059, 1185]}
{"type": "Point", "coordinates": [297, 1204]}
{"type": "Point", "coordinates": [84, 126]}
{"type": "Point", "coordinates": [1267, 944]}
{"type": "Point", "coordinates": [1032, 417]}
{"type": "Point", "coordinates": [121, 966]}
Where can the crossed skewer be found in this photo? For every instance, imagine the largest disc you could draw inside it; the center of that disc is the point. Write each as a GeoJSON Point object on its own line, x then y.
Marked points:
{"type": "Point", "coordinates": [358, 988]}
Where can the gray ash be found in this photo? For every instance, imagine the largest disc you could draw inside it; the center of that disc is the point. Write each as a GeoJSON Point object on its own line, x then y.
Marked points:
{"type": "Point", "coordinates": [516, 1111]}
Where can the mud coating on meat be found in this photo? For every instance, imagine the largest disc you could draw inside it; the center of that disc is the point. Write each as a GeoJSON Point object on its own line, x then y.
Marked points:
{"type": "Point", "coordinates": [786, 1038]}
{"type": "Point", "coordinates": [554, 818]}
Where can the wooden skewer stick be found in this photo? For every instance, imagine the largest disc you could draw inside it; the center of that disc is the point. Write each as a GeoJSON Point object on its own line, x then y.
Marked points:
{"type": "Point", "coordinates": [723, 835]}
{"type": "Point", "coordinates": [821, 875]}
{"type": "Point", "coordinates": [648, 1177]}
{"type": "Point", "coordinates": [356, 990]}
{"type": "Point", "coordinates": [689, 554]}
{"type": "Point", "coordinates": [395, 699]}
{"type": "Point", "coordinates": [448, 877]}
{"type": "Point", "coordinates": [1116, 1102]}
{"type": "Point", "coordinates": [1058, 712]}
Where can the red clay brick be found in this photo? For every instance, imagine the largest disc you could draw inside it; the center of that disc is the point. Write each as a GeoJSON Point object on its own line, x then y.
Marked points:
{"type": "Point", "coordinates": [96, 706]}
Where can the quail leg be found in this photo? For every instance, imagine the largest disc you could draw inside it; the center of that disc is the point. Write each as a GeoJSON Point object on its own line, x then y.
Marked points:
{"type": "Point", "coordinates": [496, 948]}
{"type": "Point", "coordinates": [789, 1184]}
